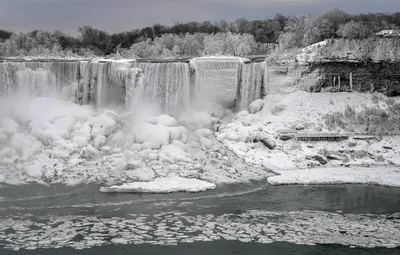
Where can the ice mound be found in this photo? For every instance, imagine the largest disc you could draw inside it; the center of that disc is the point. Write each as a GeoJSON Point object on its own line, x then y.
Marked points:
{"type": "Point", "coordinates": [162, 185]}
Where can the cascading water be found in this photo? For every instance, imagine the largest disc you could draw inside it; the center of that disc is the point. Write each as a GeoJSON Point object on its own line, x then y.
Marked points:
{"type": "Point", "coordinates": [251, 84]}
{"type": "Point", "coordinates": [166, 84]}
{"type": "Point", "coordinates": [170, 86]}
{"type": "Point", "coordinates": [40, 78]}
{"type": "Point", "coordinates": [217, 79]}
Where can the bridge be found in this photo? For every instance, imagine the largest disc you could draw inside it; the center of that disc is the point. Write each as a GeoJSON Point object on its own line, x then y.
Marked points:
{"type": "Point", "coordinates": [321, 136]}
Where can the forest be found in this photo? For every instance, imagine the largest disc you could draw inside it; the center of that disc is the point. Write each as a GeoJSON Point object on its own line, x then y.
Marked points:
{"type": "Point", "coordinates": [237, 38]}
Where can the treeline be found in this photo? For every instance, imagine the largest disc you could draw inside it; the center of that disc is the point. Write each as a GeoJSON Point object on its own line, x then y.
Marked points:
{"type": "Point", "coordinates": [240, 37]}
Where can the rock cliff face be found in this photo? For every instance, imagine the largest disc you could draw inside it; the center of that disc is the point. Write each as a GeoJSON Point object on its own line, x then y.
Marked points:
{"type": "Point", "coordinates": [342, 76]}
{"type": "Point", "coordinates": [334, 76]}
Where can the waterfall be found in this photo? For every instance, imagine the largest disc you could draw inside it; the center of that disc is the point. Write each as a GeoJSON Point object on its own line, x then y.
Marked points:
{"type": "Point", "coordinates": [165, 84]}
{"type": "Point", "coordinates": [169, 86]}
{"type": "Point", "coordinates": [40, 78]}
{"type": "Point", "coordinates": [217, 79]}
{"type": "Point", "coordinates": [251, 85]}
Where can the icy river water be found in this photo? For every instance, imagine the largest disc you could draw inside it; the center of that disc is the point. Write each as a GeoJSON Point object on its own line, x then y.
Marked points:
{"type": "Point", "coordinates": [251, 218]}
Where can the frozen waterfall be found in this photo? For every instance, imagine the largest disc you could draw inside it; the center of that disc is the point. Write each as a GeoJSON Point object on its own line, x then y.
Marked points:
{"type": "Point", "coordinates": [252, 84]}
{"type": "Point", "coordinates": [171, 86]}
{"type": "Point", "coordinates": [165, 84]}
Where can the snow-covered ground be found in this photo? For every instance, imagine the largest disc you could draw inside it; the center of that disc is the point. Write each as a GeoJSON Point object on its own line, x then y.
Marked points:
{"type": "Point", "coordinates": [337, 175]}
{"type": "Point", "coordinates": [304, 112]}
{"type": "Point", "coordinates": [49, 140]}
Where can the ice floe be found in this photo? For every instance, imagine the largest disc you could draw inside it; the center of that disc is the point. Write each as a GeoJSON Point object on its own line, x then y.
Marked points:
{"type": "Point", "coordinates": [172, 228]}
{"type": "Point", "coordinates": [162, 185]}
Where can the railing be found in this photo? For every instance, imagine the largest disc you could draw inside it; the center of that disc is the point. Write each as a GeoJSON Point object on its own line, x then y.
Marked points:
{"type": "Point", "coordinates": [317, 136]}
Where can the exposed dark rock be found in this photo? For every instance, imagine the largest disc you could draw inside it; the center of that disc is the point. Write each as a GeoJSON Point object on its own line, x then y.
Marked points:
{"type": "Point", "coordinates": [370, 76]}
{"type": "Point", "coordinates": [286, 137]}
{"type": "Point", "coordinates": [267, 141]}
{"type": "Point", "coordinates": [321, 159]}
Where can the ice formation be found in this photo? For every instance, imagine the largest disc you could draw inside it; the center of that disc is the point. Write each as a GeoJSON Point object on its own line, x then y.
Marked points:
{"type": "Point", "coordinates": [173, 228]}
{"type": "Point", "coordinates": [106, 121]}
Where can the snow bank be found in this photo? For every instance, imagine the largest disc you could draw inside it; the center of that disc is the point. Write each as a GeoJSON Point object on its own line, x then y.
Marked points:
{"type": "Point", "coordinates": [163, 185]}
{"type": "Point", "coordinates": [355, 175]}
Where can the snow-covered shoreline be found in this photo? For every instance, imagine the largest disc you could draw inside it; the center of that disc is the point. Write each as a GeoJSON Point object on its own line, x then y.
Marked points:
{"type": "Point", "coordinates": [382, 176]}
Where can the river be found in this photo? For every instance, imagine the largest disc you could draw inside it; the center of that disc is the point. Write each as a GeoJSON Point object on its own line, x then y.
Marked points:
{"type": "Point", "coordinates": [254, 218]}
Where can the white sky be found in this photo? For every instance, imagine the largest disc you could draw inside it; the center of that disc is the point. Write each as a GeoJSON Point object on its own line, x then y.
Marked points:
{"type": "Point", "coordinates": [123, 15]}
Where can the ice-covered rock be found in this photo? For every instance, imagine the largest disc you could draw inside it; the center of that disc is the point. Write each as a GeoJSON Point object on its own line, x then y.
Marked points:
{"type": "Point", "coordinates": [175, 153]}
{"type": "Point", "coordinates": [167, 121]}
{"type": "Point", "coordinates": [267, 141]}
{"type": "Point", "coordinates": [320, 158]}
{"type": "Point", "coordinates": [206, 143]}
{"type": "Point", "coordinates": [155, 135]}
{"type": "Point", "coordinates": [195, 120]}
{"type": "Point", "coordinates": [113, 115]}
{"type": "Point", "coordinates": [241, 114]}
{"type": "Point", "coordinates": [256, 106]}
{"type": "Point", "coordinates": [9, 126]}
{"type": "Point", "coordinates": [3, 138]}
{"type": "Point", "coordinates": [80, 140]}
{"type": "Point", "coordinates": [136, 147]}
{"type": "Point", "coordinates": [129, 140]}
{"type": "Point", "coordinates": [117, 139]}
{"type": "Point", "coordinates": [99, 141]}
{"type": "Point", "coordinates": [102, 120]}
{"type": "Point", "coordinates": [180, 144]}
{"type": "Point", "coordinates": [145, 174]}
{"type": "Point", "coordinates": [33, 170]}
{"type": "Point", "coordinates": [90, 152]}
{"type": "Point", "coordinates": [176, 133]}
{"type": "Point", "coordinates": [207, 133]}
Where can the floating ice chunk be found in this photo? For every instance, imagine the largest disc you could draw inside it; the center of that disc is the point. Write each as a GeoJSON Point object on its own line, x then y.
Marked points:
{"type": "Point", "coordinates": [163, 185]}
{"type": "Point", "coordinates": [256, 106]}
{"type": "Point", "coordinates": [2, 178]}
{"type": "Point", "coordinates": [167, 121]}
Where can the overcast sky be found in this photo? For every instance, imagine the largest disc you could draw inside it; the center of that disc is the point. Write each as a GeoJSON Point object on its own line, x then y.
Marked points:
{"type": "Point", "coordinates": [122, 15]}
